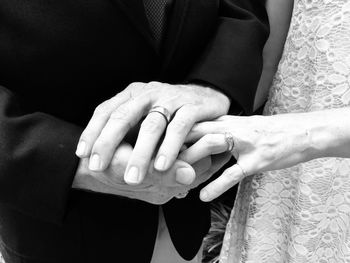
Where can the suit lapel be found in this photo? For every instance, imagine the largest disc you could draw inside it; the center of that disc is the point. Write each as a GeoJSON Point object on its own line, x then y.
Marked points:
{"type": "Point", "coordinates": [135, 10]}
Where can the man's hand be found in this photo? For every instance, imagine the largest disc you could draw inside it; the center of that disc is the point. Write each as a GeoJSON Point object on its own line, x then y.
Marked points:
{"type": "Point", "coordinates": [113, 119]}
{"type": "Point", "coordinates": [157, 188]}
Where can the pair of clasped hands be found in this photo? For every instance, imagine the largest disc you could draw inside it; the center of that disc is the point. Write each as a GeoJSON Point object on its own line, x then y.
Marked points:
{"type": "Point", "coordinates": [160, 166]}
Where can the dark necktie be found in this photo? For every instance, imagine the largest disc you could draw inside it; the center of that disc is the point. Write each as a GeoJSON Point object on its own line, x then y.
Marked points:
{"type": "Point", "coordinates": [156, 11]}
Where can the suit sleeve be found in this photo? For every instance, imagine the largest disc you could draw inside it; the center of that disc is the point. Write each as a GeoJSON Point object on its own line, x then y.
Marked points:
{"type": "Point", "coordinates": [37, 160]}
{"type": "Point", "coordinates": [232, 62]}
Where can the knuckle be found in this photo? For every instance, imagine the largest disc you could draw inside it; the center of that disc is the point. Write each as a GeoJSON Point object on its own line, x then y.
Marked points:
{"type": "Point", "coordinates": [140, 158]}
{"type": "Point", "coordinates": [117, 96]}
{"type": "Point", "coordinates": [100, 146]}
{"type": "Point", "coordinates": [180, 125]}
{"type": "Point", "coordinates": [154, 83]}
{"type": "Point", "coordinates": [135, 88]}
{"type": "Point", "coordinates": [143, 159]}
{"type": "Point", "coordinates": [89, 135]}
{"type": "Point", "coordinates": [121, 115]}
{"type": "Point", "coordinates": [86, 135]}
{"type": "Point", "coordinates": [101, 109]}
{"type": "Point", "coordinates": [132, 85]}
{"type": "Point", "coordinates": [152, 88]}
{"type": "Point", "coordinates": [189, 108]}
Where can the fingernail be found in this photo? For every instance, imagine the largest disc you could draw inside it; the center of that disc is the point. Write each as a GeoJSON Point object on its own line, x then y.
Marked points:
{"type": "Point", "coordinates": [160, 163]}
{"type": "Point", "coordinates": [204, 196]}
{"type": "Point", "coordinates": [81, 148]}
{"type": "Point", "coordinates": [132, 177]}
{"type": "Point", "coordinates": [95, 162]}
{"type": "Point", "coordinates": [184, 176]}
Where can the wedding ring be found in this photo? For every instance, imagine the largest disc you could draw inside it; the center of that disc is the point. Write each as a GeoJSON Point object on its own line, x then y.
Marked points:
{"type": "Point", "coordinates": [162, 111]}
{"type": "Point", "coordinates": [230, 141]}
{"type": "Point", "coordinates": [182, 195]}
{"type": "Point", "coordinates": [243, 171]}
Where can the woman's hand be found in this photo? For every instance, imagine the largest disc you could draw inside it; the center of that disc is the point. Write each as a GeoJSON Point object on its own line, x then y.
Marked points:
{"type": "Point", "coordinates": [261, 143]}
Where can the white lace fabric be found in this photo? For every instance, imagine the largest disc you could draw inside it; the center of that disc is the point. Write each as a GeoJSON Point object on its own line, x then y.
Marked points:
{"type": "Point", "coordinates": [301, 214]}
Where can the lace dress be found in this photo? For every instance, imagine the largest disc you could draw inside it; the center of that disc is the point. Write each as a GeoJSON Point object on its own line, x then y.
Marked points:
{"type": "Point", "coordinates": [301, 214]}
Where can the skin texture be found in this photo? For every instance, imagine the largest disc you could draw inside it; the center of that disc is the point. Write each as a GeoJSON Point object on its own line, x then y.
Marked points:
{"type": "Point", "coordinates": [113, 119]}
{"type": "Point", "coordinates": [157, 188]}
{"type": "Point", "coordinates": [265, 143]}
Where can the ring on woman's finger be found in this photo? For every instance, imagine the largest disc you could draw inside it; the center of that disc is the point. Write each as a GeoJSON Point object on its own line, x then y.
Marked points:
{"type": "Point", "coordinates": [229, 141]}
{"type": "Point", "coordinates": [162, 111]}
{"type": "Point", "coordinates": [245, 174]}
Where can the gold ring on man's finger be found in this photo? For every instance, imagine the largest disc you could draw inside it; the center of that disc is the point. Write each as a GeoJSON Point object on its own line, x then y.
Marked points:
{"type": "Point", "coordinates": [162, 111]}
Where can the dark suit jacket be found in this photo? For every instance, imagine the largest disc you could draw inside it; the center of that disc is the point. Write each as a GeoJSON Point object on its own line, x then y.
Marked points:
{"type": "Point", "coordinates": [59, 59]}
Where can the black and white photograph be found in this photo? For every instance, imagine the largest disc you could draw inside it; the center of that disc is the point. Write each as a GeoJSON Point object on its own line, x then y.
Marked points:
{"type": "Point", "coordinates": [174, 131]}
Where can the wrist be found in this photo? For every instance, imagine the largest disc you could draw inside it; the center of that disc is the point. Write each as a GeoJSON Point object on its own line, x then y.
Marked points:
{"type": "Point", "coordinates": [321, 136]}
{"type": "Point", "coordinates": [224, 99]}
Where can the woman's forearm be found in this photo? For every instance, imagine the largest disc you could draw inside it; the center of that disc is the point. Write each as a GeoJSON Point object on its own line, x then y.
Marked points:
{"type": "Point", "coordinates": [329, 132]}
{"type": "Point", "coordinates": [266, 143]}
{"type": "Point", "coordinates": [310, 135]}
